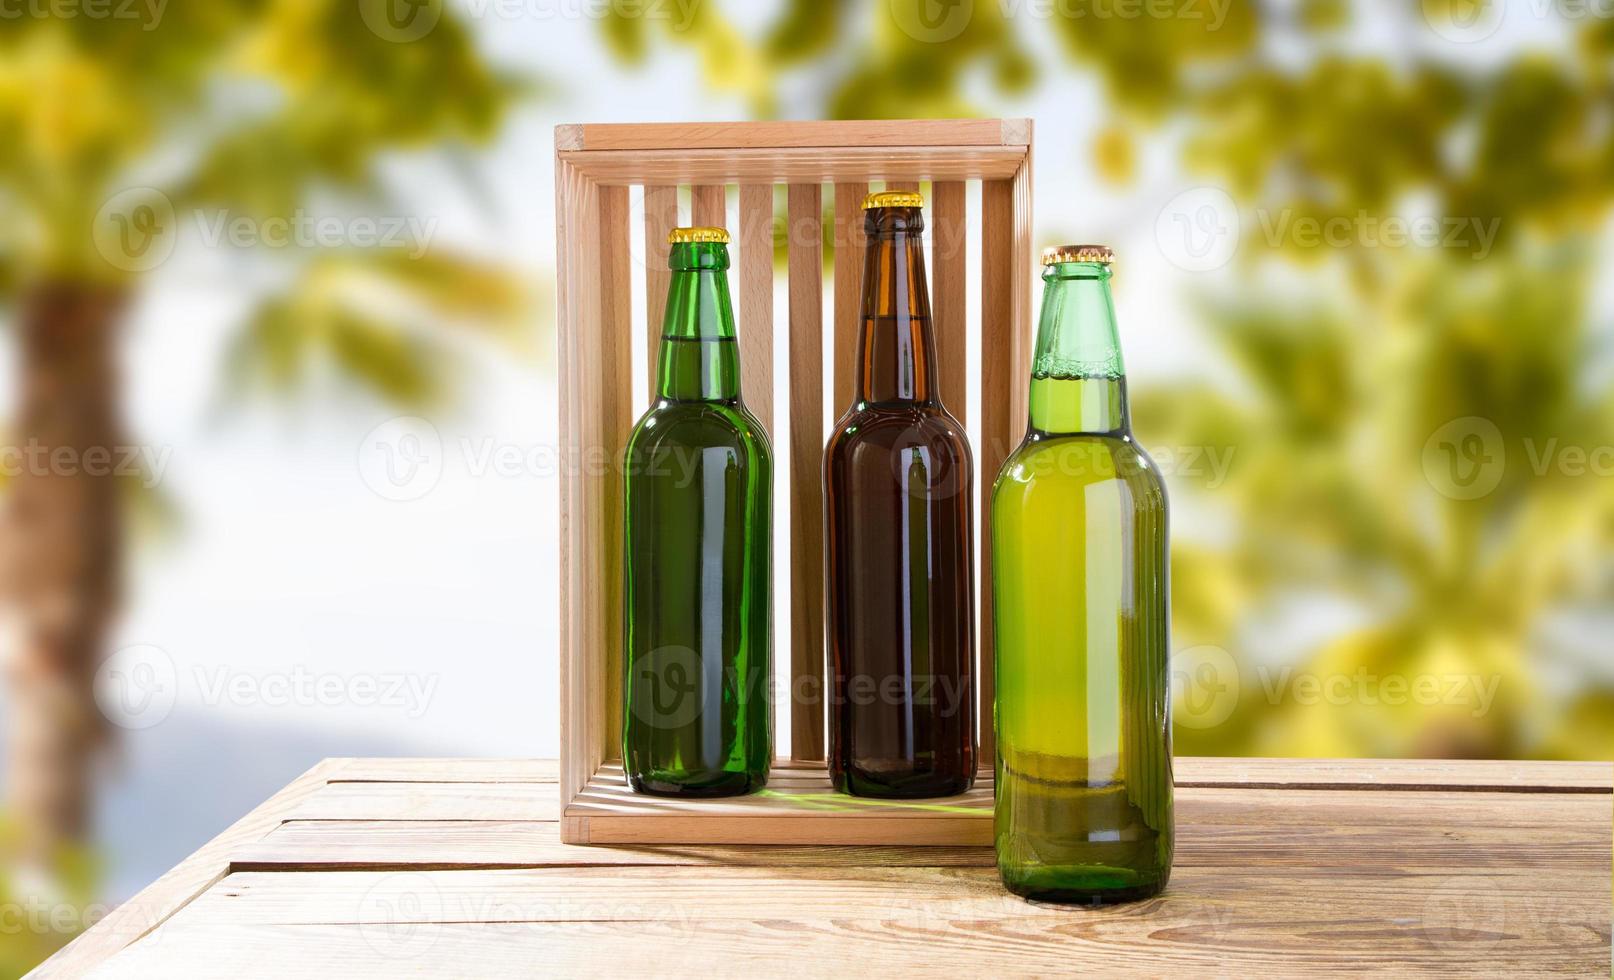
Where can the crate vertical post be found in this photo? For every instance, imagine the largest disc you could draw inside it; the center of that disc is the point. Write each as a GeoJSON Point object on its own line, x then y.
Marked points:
{"type": "Point", "coordinates": [595, 168]}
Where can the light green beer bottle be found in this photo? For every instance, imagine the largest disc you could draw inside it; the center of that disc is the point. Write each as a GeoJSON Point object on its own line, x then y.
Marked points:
{"type": "Point", "coordinates": [1080, 586]}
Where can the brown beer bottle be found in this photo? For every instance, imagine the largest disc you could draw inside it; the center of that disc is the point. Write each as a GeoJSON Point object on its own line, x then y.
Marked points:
{"type": "Point", "coordinates": [898, 506]}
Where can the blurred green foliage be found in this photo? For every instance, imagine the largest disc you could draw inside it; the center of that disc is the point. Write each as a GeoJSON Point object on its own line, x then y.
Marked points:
{"type": "Point", "coordinates": [255, 110]}
{"type": "Point", "coordinates": [37, 922]}
{"type": "Point", "coordinates": [226, 112]}
{"type": "Point", "coordinates": [1340, 366]}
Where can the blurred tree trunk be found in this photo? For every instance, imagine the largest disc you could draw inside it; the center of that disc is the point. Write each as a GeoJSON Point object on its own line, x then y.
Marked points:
{"type": "Point", "coordinates": [60, 550]}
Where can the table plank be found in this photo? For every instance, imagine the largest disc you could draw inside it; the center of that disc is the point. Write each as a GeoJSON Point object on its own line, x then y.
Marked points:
{"type": "Point", "coordinates": [1282, 865]}
{"type": "Point", "coordinates": [153, 905]}
{"type": "Point", "coordinates": [1525, 776]}
{"type": "Point", "coordinates": [431, 801]}
{"type": "Point", "coordinates": [415, 770]}
{"type": "Point", "coordinates": [1234, 930]}
{"type": "Point", "coordinates": [1244, 827]}
{"type": "Point", "coordinates": [403, 844]}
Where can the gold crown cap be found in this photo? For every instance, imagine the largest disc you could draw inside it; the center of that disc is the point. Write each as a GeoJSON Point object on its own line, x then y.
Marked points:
{"type": "Point", "coordinates": [698, 234]}
{"type": "Point", "coordinates": [1055, 254]}
{"type": "Point", "coordinates": [893, 199]}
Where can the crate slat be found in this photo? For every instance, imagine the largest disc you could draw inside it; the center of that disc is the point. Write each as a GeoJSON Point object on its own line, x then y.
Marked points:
{"type": "Point", "coordinates": [616, 415]}
{"type": "Point", "coordinates": [756, 300]}
{"type": "Point", "coordinates": [708, 206]}
{"type": "Point", "coordinates": [583, 622]}
{"type": "Point", "coordinates": [805, 242]}
{"type": "Point", "coordinates": [660, 217]}
{"type": "Point", "coordinates": [849, 244]}
{"type": "Point", "coordinates": [998, 432]}
{"type": "Point", "coordinates": [805, 134]}
{"type": "Point", "coordinates": [949, 235]}
{"type": "Point", "coordinates": [852, 163]}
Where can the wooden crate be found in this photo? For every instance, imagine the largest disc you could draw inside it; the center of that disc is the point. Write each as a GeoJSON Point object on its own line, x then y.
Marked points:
{"type": "Point", "coordinates": [595, 165]}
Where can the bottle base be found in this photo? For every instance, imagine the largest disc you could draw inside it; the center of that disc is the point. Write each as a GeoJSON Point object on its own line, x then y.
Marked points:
{"type": "Point", "coordinates": [696, 786]}
{"type": "Point", "coordinates": [1091, 886]}
{"type": "Point", "coordinates": [900, 786]}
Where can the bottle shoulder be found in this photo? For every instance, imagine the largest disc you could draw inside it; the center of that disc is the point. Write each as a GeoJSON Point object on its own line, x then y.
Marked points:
{"type": "Point", "coordinates": [1077, 460]}
{"type": "Point", "coordinates": [700, 423]}
{"type": "Point", "coordinates": [899, 426]}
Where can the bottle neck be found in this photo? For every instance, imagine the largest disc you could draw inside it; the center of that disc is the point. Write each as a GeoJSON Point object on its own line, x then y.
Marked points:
{"type": "Point", "coordinates": [1078, 384]}
{"type": "Point", "coordinates": [897, 359]}
{"type": "Point", "coordinates": [700, 358]}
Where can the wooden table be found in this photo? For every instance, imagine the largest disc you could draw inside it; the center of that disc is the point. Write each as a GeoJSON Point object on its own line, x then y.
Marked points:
{"type": "Point", "coordinates": [390, 867]}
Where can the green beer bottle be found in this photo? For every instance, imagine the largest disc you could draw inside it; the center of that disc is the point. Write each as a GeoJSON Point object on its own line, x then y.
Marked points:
{"type": "Point", "coordinates": [1080, 585]}
{"type": "Point", "coordinates": [698, 645]}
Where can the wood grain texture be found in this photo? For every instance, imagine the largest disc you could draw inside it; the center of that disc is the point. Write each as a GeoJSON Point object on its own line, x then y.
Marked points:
{"type": "Point", "coordinates": [582, 559]}
{"type": "Point", "coordinates": [998, 380]}
{"type": "Point", "coordinates": [1455, 775]}
{"type": "Point", "coordinates": [431, 801]}
{"type": "Point", "coordinates": [1297, 938]}
{"type": "Point", "coordinates": [660, 217]}
{"type": "Point", "coordinates": [756, 300]}
{"type": "Point", "coordinates": [806, 273]}
{"type": "Point", "coordinates": [614, 380]}
{"type": "Point", "coordinates": [708, 206]}
{"type": "Point", "coordinates": [1220, 826]}
{"type": "Point", "coordinates": [949, 236]}
{"type": "Point", "coordinates": [744, 166]}
{"type": "Point", "coordinates": [1347, 867]}
{"type": "Point", "coordinates": [309, 845]}
{"type": "Point", "coordinates": [410, 769]}
{"type": "Point", "coordinates": [800, 134]}
{"type": "Point", "coordinates": [796, 808]}
{"type": "Point", "coordinates": [848, 287]}
{"type": "Point", "coordinates": [154, 904]}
